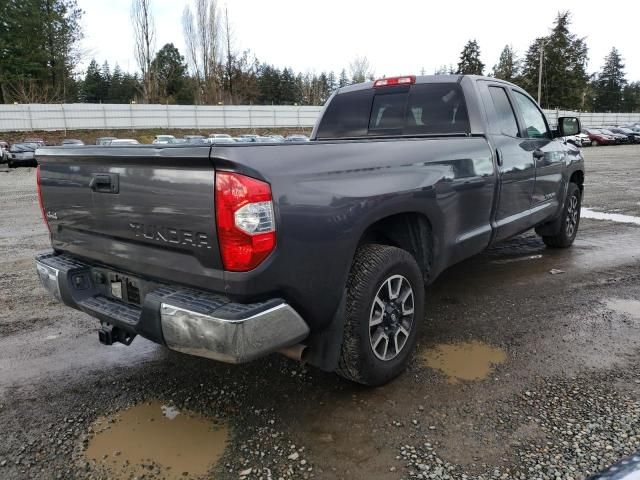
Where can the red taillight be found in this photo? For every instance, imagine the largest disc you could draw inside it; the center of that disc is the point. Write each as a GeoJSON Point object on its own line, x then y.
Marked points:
{"type": "Point", "coordinates": [39, 188]}
{"type": "Point", "coordinates": [391, 81]}
{"type": "Point", "coordinates": [245, 221]}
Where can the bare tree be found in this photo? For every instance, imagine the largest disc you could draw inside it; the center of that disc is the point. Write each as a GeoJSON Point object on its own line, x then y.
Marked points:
{"type": "Point", "coordinates": [202, 37]}
{"type": "Point", "coordinates": [144, 32]}
{"type": "Point", "coordinates": [360, 69]}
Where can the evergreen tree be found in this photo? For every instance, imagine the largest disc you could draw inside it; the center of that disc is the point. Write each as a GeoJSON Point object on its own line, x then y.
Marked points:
{"type": "Point", "coordinates": [288, 95]}
{"type": "Point", "coordinates": [170, 72]}
{"type": "Point", "coordinates": [470, 63]}
{"type": "Point", "coordinates": [38, 49]}
{"type": "Point", "coordinates": [93, 86]}
{"type": "Point", "coordinates": [343, 81]}
{"type": "Point", "coordinates": [609, 84]}
{"type": "Point", "coordinates": [332, 82]}
{"type": "Point", "coordinates": [508, 65]}
{"type": "Point", "coordinates": [631, 97]}
{"type": "Point", "coordinates": [564, 67]}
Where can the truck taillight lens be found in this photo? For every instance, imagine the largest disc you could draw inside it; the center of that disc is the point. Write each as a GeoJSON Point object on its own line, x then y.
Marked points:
{"type": "Point", "coordinates": [39, 188]}
{"type": "Point", "coordinates": [245, 221]}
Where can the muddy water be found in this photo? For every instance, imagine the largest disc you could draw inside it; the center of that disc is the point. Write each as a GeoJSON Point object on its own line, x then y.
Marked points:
{"type": "Point", "coordinates": [463, 361]}
{"type": "Point", "coordinates": [156, 439]}
{"type": "Point", "coordinates": [627, 307]}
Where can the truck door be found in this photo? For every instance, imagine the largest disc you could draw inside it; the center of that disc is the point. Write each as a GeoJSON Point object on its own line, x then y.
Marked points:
{"type": "Point", "coordinates": [549, 156]}
{"type": "Point", "coordinates": [516, 163]}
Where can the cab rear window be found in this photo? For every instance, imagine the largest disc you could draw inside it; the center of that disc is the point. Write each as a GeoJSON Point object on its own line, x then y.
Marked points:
{"type": "Point", "coordinates": [423, 109]}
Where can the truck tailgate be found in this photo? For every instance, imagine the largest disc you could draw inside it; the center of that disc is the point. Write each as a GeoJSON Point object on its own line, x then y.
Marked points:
{"type": "Point", "coordinates": [142, 209]}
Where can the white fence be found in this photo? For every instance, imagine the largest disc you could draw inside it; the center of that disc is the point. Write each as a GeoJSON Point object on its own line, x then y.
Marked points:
{"type": "Point", "coordinates": [81, 116]}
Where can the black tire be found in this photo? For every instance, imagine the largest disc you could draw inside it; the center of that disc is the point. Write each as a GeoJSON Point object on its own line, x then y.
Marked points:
{"type": "Point", "coordinates": [570, 220]}
{"type": "Point", "coordinates": [10, 164]}
{"type": "Point", "coordinates": [373, 267]}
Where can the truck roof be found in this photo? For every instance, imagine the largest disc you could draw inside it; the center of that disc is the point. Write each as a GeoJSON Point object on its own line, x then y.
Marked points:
{"type": "Point", "coordinates": [424, 79]}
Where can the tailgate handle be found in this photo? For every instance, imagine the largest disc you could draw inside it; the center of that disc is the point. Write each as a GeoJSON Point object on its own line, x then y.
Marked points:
{"type": "Point", "coordinates": [105, 183]}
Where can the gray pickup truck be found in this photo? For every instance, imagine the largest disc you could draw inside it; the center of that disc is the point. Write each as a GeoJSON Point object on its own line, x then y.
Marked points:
{"type": "Point", "coordinates": [318, 250]}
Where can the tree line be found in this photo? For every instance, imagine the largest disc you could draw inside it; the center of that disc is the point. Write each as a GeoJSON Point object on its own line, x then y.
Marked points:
{"type": "Point", "coordinates": [566, 84]}
{"type": "Point", "coordinates": [39, 65]}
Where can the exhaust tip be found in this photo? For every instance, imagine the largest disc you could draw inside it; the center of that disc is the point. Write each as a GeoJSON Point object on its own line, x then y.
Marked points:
{"type": "Point", "coordinates": [295, 352]}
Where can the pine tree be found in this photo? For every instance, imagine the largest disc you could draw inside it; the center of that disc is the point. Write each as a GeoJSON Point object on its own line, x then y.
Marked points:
{"type": "Point", "coordinates": [92, 84]}
{"type": "Point", "coordinates": [508, 65]}
{"type": "Point", "coordinates": [565, 79]}
{"type": "Point", "coordinates": [343, 81]}
{"type": "Point", "coordinates": [631, 97]}
{"type": "Point", "coordinates": [332, 82]}
{"type": "Point", "coordinates": [609, 84]}
{"type": "Point", "coordinates": [470, 63]}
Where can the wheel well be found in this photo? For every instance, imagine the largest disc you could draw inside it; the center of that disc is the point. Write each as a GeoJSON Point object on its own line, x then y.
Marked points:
{"type": "Point", "coordinates": [409, 231]}
{"type": "Point", "coordinates": [577, 177]}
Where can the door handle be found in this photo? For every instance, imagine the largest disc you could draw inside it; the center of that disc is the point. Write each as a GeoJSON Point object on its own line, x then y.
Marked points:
{"type": "Point", "coordinates": [538, 154]}
{"type": "Point", "coordinates": [105, 183]}
{"type": "Point", "coordinates": [499, 157]}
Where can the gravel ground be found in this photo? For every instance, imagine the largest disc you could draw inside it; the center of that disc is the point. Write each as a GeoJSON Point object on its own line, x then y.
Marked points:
{"type": "Point", "coordinates": [563, 405]}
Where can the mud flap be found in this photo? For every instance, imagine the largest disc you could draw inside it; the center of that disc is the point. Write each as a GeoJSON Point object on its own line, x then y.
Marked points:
{"type": "Point", "coordinates": [323, 347]}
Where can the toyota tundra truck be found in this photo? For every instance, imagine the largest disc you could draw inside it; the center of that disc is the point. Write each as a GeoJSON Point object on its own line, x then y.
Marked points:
{"type": "Point", "coordinates": [318, 250]}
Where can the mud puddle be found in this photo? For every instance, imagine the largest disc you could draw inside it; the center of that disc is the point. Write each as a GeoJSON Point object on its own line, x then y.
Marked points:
{"type": "Point", "coordinates": [463, 361]}
{"type": "Point", "coordinates": [614, 217]}
{"type": "Point", "coordinates": [158, 440]}
{"type": "Point", "coordinates": [627, 307]}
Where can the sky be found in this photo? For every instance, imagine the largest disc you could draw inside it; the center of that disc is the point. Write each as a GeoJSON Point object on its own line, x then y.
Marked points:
{"type": "Point", "coordinates": [398, 37]}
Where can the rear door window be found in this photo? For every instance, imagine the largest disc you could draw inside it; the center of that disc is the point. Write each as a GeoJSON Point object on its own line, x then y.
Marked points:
{"type": "Point", "coordinates": [424, 109]}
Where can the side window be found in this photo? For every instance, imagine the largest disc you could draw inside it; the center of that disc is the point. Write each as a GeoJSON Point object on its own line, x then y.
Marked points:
{"type": "Point", "coordinates": [505, 116]}
{"type": "Point", "coordinates": [534, 121]}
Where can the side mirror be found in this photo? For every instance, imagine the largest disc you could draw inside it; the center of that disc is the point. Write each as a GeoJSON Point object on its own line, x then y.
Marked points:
{"type": "Point", "coordinates": [568, 126]}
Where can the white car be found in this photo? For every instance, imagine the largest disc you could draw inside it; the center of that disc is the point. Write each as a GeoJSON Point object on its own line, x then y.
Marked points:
{"type": "Point", "coordinates": [220, 138]}
{"type": "Point", "coordinates": [124, 141]}
{"type": "Point", "coordinates": [164, 139]}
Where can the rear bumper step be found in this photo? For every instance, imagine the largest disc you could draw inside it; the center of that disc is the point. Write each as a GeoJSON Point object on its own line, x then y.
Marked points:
{"type": "Point", "coordinates": [184, 319]}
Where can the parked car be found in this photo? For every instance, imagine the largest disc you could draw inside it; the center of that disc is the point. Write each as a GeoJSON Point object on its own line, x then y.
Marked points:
{"type": "Point", "coordinates": [244, 139]}
{"type": "Point", "coordinates": [574, 140]}
{"type": "Point", "coordinates": [123, 141]}
{"type": "Point", "coordinates": [163, 139]}
{"type": "Point", "coordinates": [633, 137]}
{"type": "Point", "coordinates": [194, 139]}
{"type": "Point", "coordinates": [4, 151]}
{"type": "Point", "coordinates": [297, 138]}
{"type": "Point", "coordinates": [220, 138]}
{"type": "Point", "coordinates": [249, 137]}
{"type": "Point", "coordinates": [619, 138]}
{"type": "Point", "coordinates": [266, 140]}
{"type": "Point", "coordinates": [277, 138]}
{"type": "Point", "coordinates": [585, 141]}
{"type": "Point", "coordinates": [71, 142]}
{"type": "Point", "coordinates": [23, 155]}
{"type": "Point", "coordinates": [598, 138]}
{"type": "Point", "coordinates": [37, 140]}
{"type": "Point", "coordinates": [105, 140]}
{"type": "Point", "coordinates": [318, 250]}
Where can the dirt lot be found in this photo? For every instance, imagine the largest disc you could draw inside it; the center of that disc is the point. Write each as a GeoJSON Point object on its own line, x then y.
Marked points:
{"type": "Point", "coordinates": [520, 373]}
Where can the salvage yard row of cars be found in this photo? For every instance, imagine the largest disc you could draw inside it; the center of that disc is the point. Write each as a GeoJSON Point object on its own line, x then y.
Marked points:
{"type": "Point", "coordinates": [595, 136]}
{"type": "Point", "coordinates": [23, 154]}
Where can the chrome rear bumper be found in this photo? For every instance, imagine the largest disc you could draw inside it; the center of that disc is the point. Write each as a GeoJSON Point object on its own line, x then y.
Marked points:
{"type": "Point", "coordinates": [191, 321]}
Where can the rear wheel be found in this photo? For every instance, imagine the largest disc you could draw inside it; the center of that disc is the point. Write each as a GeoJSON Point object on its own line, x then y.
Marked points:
{"type": "Point", "coordinates": [570, 220]}
{"type": "Point", "coordinates": [385, 305]}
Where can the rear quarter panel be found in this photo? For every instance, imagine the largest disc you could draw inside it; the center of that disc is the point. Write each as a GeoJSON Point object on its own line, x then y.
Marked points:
{"type": "Point", "coordinates": [326, 195]}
